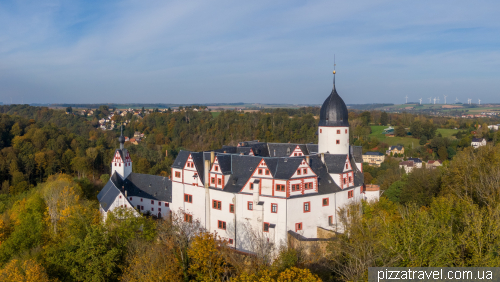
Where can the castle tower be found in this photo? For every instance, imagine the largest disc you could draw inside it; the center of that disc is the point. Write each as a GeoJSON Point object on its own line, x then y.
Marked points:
{"type": "Point", "coordinates": [121, 163]}
{"type": "Point", "coordinates": [333, 131]}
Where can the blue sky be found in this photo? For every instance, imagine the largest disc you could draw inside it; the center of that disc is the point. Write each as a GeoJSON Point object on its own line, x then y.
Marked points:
{"type": "Point", "coordinates": [248, 51]}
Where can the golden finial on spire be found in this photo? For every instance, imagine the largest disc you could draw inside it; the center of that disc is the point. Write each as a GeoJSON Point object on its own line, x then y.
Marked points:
{"type": "Point", "coordinates": [334, 71]}
{"type": "Point", "coordinates": [334, 64]}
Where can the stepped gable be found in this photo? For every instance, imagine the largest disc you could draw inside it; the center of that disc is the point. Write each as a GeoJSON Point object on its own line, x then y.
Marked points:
{"type": "Point", "coordinates": [110, 191]}
{"type": "Point", "coordinates": [335, 163]}
{"type": "Point", "coordinates": [357, 153]}
{"type": "Point", "coordinates": [242, 169]}
{"type": "Point", "coordinates": [148, 186]}
{"type": "Point", "coordinates": [333, 111]}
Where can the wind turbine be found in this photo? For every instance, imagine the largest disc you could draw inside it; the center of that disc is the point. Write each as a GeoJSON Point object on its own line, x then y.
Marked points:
{"type": "Point", "coordinates": [479, 101]}
{"type": "Point", "coordinates": [469, 100]}
{"type": "Point", "coordinates": [420, 101]}
{"type": "Point", "coordinates": [434, 100]}
{"type": "Point", "coordinates": [456, 100]}
{"type": "Point", "coordinates": [445, 99]}
{"type": "Point", "coordinates": [406, 99]}
{"type": "Point", "coordinates": [430, 100]}
{"type": "Point", "coordinates": [438, 100]}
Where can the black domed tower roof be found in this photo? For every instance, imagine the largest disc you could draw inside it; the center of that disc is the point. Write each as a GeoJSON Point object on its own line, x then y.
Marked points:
{"type": "Point", "coordinates": [334, 111]}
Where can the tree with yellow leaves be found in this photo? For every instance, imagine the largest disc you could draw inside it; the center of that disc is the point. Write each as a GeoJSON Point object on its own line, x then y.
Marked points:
{"type": "Point", "coordinates": [25, 271]}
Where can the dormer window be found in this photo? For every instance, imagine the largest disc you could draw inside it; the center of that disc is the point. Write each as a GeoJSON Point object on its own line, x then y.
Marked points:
{"type": "Point", "coordinates": [260, 171]}
{"type": "Point", "coordinates": [298, 172]}
{"type": "Point", "coordinates": [216, 168]}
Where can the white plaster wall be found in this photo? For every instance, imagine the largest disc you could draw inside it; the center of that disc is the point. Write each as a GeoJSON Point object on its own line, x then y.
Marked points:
{"type": "Point", "coordinates": [371, 196]}
{"type": "Point", "coordinates": [148, 206]}
{"type": "Point", "coordinates": [327, 140]}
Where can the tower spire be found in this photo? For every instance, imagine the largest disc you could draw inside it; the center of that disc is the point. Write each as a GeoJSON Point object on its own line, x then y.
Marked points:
{"type": "Point", "coordinates": [334, 72]}
{"type": "Point", "coordinates": [121, 139]}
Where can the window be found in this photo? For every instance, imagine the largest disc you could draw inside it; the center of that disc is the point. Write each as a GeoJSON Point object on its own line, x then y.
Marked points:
{"type": "Point", "coordinates": [166, 204]}
{"type": "Point", "coordinates": [338, 142]}
{"type": "Point", "coordinates": [280, 187]}
{"type": "Point", "coordinates": [159, 203]}
{"type": "Point", "coordinates": [213, 180]}
{"type": "Point", "coordinates": [274, 208]}
{"type": "Point", "coordinates": [177, 174]}
{"type": "Point", "coordinates": [159, 209]}
{"type": "Point", "coordinates": [294, 154]}
{"type": "Point", "coordinates": [188, 218]}
{"type": "Point", "coordinates": [330, 220]}
{"type": "Point", "coordinates": [345, 180]}
{"type": "Point", "coordinates": [326, 202]}
{"type": "Point", "coordinates": [346, 131]}
{"type": "Point", "coordinates": [298, 226]}
{"type": "Point", "coordinates": [295, 187]}
{"type": "Point", "coordinates": [141, 199]}
{"type": "Point", "coordinates": [131, 198]}
{"type": "Point", "coordinates": [307, 206]}
{"type": "Point", "coordinates": [216, 168]}
{"type": "Point", "coordinates": [120, 164]}
{"type": "Point", "coordinates": [260, 171]}
{"type": "Point", "coordinates": [219, 181]}
{"type": "Point", "coordinates": [231, 208]}
{"type": "Point", "coordinates": [321, 131]}
{"type": "Point", "coordinates": [221, 224]}
{"type": "Point", "coordinates": [346, 166]}
{"type": "Point", "coordinates": [152, 209]}
{"type": "Point", "coordinates": [115, 164]}
{"type": "Point", "coordinates": [152, 202]}
{"type": "Point", "coordinates": [250, 205]}
{"type": "Point", "coordinates": [308, 186]}
{"type": "Point", "coordinates": [267, 171]}
{"type": "Point", "coordinates": [142, 208]}
{"type": "Point", "coordinates": [188, 198]}
{"type": "Point", "coordinates": [338, 131]}
{"type": "Point", "coordinates": [230, 241]}
{"type": "Point", "coordinates": [120, 196]}
{"type": "Point", "coordinates": [304, 171]}
{"type": "Point", "coordinates": [266, 226]}
{"type": "Point", "coordinates": [350, 179]}
{"type": "Point", "coordinates": [350, 194]}
{"type": "Point", "coordinates": [251, 186]}
{"type": "Point", "coordinates": [216, 204]}
{"type": "Point", "coordinates": [298, 172]}
{"type": "Point", "coordinates": [139, 207]}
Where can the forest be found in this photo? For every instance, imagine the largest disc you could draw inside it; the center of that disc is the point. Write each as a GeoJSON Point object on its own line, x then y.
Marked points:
{"type": "Point", "coordinates": [53, 164]}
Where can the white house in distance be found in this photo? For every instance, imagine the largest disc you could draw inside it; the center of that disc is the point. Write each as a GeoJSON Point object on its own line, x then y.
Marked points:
{"type": "Point", "coordinates": [478, 142]}
{"type": "Point", "coordinates": [273, 188]}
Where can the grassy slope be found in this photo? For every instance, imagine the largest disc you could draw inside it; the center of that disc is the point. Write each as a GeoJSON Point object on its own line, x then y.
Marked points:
{"type": "Point", "coordinates": [377, 131]}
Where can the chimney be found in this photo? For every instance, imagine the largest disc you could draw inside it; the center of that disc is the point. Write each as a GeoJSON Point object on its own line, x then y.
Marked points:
{"type": "Point", "coordinates": [212, 157]}
{"type": "Point", "coordinates": [207, 173]}
{"type": "Point", "coordinates": [307, 160]}
{"type": "Point", "coordinates": [323, 157]}
{"type": "Point", "coordinates": [125, 193]}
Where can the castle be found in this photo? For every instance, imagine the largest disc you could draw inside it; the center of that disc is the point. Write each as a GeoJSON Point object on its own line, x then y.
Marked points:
{"type": "Point", "coordinates": [274, 188]}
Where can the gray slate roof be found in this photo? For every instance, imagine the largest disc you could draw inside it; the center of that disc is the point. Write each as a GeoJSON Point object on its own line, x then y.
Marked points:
{"type": "Point", "coordinates": [335, 163]}
{"type": "Point", "coordinates": [477, 139]}
{"type": "Point", "coordinates": [357, 153]}
{"type": "Point", "coordinates": [284, 149]}
{"type": "Point", "coordinates": [243, 167]}
{"type": "Point", "coordinates": [148, 186]}
{"type": "Point", "coordinates": [399, 147]}
{"type": "Point", "coordinates": [108, 194]}
{"type": "Point", "coordinates": [374, 154]}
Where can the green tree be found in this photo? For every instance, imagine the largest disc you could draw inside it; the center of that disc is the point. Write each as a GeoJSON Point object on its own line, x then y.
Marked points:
{"type": "Point", "coordinates": [384, 118]}
{"type": "Point", "coordinates": [400, 131]}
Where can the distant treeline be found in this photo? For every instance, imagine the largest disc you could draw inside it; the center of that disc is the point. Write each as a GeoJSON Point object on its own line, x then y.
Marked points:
{"type": "Point", "coordinates": [366, 107]}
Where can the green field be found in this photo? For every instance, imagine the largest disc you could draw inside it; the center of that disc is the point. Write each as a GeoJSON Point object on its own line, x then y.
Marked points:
{"type": "Point", "coordinates": [215, 114]}
{"type": "Point", "coordinates": [378, 131]}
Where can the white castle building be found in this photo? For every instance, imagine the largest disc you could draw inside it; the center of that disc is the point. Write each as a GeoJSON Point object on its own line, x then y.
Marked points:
{"type": "Point", "coordinates": [274, 188]}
